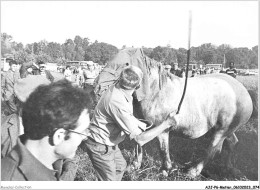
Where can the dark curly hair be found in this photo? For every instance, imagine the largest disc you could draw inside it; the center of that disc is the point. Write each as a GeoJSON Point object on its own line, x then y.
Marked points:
{"type": "Point", "coordinates": [53, 106]}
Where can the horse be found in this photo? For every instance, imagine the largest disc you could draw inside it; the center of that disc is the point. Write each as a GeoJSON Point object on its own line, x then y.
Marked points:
{"type": "Point", "coordinates": [216, 104]}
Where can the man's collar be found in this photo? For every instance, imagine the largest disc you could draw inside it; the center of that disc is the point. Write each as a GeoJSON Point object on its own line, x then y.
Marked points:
{"type": "Point", "coordinates": [128, 97]}
{"type": "Point", "coordinates": [31, 167]}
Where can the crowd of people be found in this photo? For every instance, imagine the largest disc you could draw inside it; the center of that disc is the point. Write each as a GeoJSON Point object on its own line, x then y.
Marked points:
{"type": "Point", "coordinates": [47, 120]}
{"type": "Point", "coordinates": [44, 121]}
{"type": "Point", "coordinates": [180, 72]}
{"type": "Point", "coordinates": [84, 76]}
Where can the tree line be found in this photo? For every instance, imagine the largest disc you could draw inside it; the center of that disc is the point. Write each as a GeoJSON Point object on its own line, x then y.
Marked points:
{"type": "Point", "coordinates": [244, 58]}
{"type": "Point", "coordinates": [81, 49]}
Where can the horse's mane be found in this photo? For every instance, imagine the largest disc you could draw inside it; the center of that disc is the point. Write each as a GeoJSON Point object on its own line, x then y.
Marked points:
{"type": "Point", "coordinates": [151, 63]}
{"type": "Point", "coordinates": [136, 56]}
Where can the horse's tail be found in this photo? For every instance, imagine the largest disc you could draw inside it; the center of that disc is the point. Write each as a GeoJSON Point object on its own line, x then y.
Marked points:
{"type": "Point", "coordinates": [254, 97]}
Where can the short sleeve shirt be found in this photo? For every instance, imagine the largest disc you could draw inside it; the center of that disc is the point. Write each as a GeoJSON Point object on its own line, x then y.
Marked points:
{"type": "Point", "coordinates": [232, 72]}
{"type": "Point", "coordinates": [90, 76]}
{"type": "Point", "coordinates": [67, 74]}
{"type": "Point", "coordinates": [113, 118]}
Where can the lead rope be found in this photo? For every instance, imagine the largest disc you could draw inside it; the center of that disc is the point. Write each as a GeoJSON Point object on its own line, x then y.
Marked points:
{"type": "Point", "coordinates": [187, 67]}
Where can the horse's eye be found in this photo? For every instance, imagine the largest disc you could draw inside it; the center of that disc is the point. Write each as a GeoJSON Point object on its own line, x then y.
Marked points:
{"type": "Point", "coordinates": [127, 64]}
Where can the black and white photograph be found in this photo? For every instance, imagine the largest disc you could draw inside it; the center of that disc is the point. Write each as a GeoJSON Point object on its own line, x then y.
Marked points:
{"type": "Point", "coordinates": [129, 91]}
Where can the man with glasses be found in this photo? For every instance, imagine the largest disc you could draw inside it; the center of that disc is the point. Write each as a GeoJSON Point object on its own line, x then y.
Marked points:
{"type": "Point", "coordinates": [112, 120]}
{"type": "Point", "coordinates": [55, 118]}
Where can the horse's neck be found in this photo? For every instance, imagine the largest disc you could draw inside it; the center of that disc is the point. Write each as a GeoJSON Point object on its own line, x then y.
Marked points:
{"type": "Point", "coordinates": [162, 83]}
{"type": "Point", "coordinates": [171, 87]}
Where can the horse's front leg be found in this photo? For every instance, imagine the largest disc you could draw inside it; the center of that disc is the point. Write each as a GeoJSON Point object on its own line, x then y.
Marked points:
{"type": "Point", "coordinates": [139, 156]}
{"type": "Point", "coordinates": [164, 150]}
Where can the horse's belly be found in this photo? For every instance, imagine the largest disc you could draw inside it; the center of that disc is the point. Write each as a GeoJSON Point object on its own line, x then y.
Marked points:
{"type": "Point", "coordinates": [190, 127]}
{"type": "Point", "coordinates": [191, 132]}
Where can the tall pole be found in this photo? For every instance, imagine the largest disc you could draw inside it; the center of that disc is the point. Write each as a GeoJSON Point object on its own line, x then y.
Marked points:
{"type": "Point", "coordinates": [187, 66]}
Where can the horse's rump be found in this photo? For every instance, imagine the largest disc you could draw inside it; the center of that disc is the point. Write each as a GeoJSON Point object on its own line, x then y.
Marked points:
{"type": "Point", "coordinates": [254, 97]}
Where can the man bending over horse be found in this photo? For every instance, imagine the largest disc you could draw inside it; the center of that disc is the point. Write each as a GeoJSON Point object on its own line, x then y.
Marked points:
{"type": "Point", "coordinates": [112, 120]}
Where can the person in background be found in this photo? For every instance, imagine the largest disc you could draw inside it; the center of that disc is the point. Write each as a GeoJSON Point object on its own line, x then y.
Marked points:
{"type": "Point", "coordinates": [80, 77]}
{"type": "Point", "coordinates": [193, 73]}
{"type": "Point", "coordinates": [55, 119]}
{"type": "Point", "coordinates": [28, 68]}
{"type": "Point", "coordinates": [8, 81]}
{"type": "Point", "coordinates": [182, 72]}
{"type": "Point", "coordinates": [43, 71]}
{"type": "Point", "coordinates": [212, 70]}
{"type": "Point", "coordinates": [97, 67]}
{"type": "Point", "coordinates": [26, 71]}
{"type": "Point", "coordinates": [67, 73]}
{"type": "Point", "coordinates": [11, 125]}
{"type": "Point", "coordinates": [176, 71]}
{"type": "Point", "coordinates": [168, 68]}
{"type": "Point", "coordinates": [232, 70]}
{"type": "Point", "coordinates": [90, 74]}
{"type": "Point", "coordinates": [112, 120]}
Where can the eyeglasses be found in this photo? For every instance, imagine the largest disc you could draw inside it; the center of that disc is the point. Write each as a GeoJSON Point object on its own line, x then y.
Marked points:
{"type": "Point", "coordinates": [72, 131]}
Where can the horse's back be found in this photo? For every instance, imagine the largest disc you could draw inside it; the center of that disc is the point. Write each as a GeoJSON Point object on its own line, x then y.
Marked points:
{"type": "Point", "coordinates": [242, 97]}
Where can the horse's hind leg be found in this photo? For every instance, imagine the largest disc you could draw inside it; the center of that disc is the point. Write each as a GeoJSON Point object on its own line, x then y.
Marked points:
{"type": "Point", "coordinates": [164, 150]}
{"type": "Point", "coordinates": [230, 143]}
{"type": "Point", "coordinates": [214, 147]}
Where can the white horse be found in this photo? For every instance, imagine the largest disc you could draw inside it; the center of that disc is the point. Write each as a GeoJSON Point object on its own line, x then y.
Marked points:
{"type": "Point", "coordinates": [216, 103]}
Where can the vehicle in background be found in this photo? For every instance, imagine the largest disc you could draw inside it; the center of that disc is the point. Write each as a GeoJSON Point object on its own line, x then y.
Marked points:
{"type": "Point", "coordinates": [52, 67]}
{"type": "Point", "coordinates": [247, 72]}
{"type": "Point", "coordinates": [214, 68]}
{"type": "Point", "coordinates": [74, 65]}
{"type": "Point", "coordinates": [192, 66]}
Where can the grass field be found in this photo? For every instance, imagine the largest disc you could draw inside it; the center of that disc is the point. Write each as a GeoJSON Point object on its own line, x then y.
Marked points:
{"type": "Point", "coordinates": [184, 150]}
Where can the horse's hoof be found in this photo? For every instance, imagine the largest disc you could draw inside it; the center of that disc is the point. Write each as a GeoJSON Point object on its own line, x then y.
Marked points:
{"type": "Point", "coordinates": [137, 165]}
{"type": "Point", "coordinates": [192, 173]}
{"type": "Point", "coordinates": [165, 173]}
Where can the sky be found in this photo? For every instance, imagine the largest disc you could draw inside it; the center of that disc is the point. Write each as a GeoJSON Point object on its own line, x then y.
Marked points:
{"type": "Point", "coordinates": [133, 23]}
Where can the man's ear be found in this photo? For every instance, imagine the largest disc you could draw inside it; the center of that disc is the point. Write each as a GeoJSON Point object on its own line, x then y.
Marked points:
{"type": "Point", "coordinates": [59, 136]}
